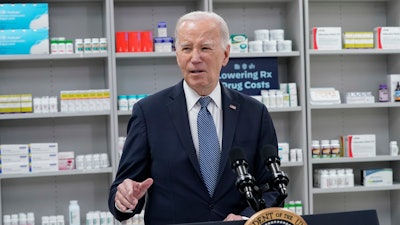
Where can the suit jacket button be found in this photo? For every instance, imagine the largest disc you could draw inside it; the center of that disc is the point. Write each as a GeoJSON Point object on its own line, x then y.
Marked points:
{"type": "Point", "coordinates": [211, 206]}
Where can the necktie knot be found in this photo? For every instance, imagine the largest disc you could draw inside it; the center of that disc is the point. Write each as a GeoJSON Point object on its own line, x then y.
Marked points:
{"type": "Point", "coordinates": [204, 101]}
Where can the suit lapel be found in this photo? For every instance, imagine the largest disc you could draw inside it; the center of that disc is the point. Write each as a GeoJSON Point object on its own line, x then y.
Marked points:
{"type": "Point", "coordinates": [230, 110]}
{"type": "Point", "coordinates": [178, 112]}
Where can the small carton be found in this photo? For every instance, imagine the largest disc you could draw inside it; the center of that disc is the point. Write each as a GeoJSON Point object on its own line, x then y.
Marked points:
{"type": "Point", "coordinates": [387, 37]}
{"type": "Point", "coordinates": [24, 41]}
{"type": "Point", "coordinates": [24, 16]}
{"type": "Point", "coordinates": [326, 38]}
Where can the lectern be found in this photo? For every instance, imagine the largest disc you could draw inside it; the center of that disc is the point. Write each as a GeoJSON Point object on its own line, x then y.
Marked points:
{"type": "Point", "coordinates": [365, 217]}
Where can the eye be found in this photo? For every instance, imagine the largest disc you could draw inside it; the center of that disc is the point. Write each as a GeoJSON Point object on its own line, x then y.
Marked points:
{"type": "Point", "coordinates": [206, 49]}
{"type": "Point", "coordinates": [186, 49]}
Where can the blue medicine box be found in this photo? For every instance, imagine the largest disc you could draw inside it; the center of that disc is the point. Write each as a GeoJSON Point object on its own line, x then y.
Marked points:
{"type": "Point", "coordinates": [24, 41]}
{"type": "Point", "coordinates": [24, 16]}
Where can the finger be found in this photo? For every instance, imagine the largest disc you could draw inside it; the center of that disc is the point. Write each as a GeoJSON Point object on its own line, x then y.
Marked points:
{"type": "Point", "coordinates": [123, 202]}
{"type": "Point", "coordinates": [143, 187]}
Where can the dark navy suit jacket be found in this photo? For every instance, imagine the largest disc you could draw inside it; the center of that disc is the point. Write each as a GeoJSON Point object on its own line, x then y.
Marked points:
{"type": "Point", "coordinates": [159, 145]}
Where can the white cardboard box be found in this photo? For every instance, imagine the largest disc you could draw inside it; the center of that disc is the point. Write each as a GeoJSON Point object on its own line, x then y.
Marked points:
{"type": "Point", "coordinates": [14, 149]}
{"type": "Point", "coordinates": [43, 148]}
{"type": "Point", "coordinates": [359, 145]}
{"type": "Point", "coordinates": [377, 177]}
{"type": "Point", "coordinates": [326, 38]}
{"type": "Point", "coordinates": [387, 37]}
{"type": "Point", "coordinates": [392, 80]}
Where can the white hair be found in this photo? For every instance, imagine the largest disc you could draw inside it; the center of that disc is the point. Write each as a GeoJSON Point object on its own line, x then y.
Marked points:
{"type": "Point", "coordinates": [199, 15]}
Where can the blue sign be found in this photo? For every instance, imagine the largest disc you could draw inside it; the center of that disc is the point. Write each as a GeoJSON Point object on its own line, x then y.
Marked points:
{"type": "Point", "coordinates": [251, 75]}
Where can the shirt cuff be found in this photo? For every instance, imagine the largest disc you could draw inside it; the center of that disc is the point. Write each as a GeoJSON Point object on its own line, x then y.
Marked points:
{"type": "Point", "coordinates": [126, 211]}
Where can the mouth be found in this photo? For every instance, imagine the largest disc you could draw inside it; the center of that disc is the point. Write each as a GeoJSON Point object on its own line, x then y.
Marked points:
{"type": "Point", "coordinates": [196, 71]}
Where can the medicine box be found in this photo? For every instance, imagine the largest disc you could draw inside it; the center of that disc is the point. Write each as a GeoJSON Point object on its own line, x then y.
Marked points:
{"type": "Point", "coordinates": [43, 166]}
{"type": "Point", "coordinates": [392, 80]}
{"type": "Point", "coordinates": [359, 145]}
{"type": "Point", "coordinates": [66, 160]}
{"type": "Point", "coordinates": [24, 41]}
{"type": "Point", "coordinates": [387, 37]}
{"type": "Point", "coordinates": [24, 16]}
{"type": "Point", "coordinates": [14, 149]}
{"type": "Point", "coordinates": [326, 38]}
{"type": "Point", "coordinates": [43, 148]}
{"type": "Point", "coordinates": [14, 158]}
{"type": "Point", "coordinates": [44, 157]}
{"type": "Point", "coordinates": [15, 103]}
{"type": "Point", "coordinates": [239, 43]}
{"type": "Point", "coordinates": [14, 168]}
{"type": "Point", "coordinates": [377, 177]}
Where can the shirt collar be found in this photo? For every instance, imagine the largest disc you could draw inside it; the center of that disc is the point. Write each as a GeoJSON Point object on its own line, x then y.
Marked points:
{"type": "Point", "coordinates": [192, 97]}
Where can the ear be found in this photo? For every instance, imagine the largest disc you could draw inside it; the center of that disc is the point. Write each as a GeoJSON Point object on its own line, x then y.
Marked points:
{"type": "Point", "coordinates": [226, 55]}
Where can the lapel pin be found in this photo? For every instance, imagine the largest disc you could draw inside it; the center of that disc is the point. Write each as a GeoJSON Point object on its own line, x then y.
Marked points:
{"type": "Point", "coordinates": [232, 107]}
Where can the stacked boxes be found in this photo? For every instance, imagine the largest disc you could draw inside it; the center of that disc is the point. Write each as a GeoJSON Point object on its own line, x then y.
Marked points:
{"type": "Point", "coordinates": [14, 158]}
{"type": "Point", "coordinates": [24, 28]}
{"type": "Point", "coordinates": [43, 157]}
{"type": "Point", "coordinates": [358, 40]}
{"type": "Point", "coordinates": [16, 103]}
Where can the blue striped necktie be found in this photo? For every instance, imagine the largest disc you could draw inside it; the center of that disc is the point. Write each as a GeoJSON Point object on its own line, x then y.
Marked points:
{"type": "Point", "coordinates": [209, 153]}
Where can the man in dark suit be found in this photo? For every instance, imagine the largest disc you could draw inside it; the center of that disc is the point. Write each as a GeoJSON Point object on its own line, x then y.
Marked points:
{"type": "Point", "coordinates": [159, 167]}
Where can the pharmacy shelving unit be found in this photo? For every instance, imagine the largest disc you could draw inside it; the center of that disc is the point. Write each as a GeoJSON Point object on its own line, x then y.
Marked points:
{"type": "Point", "coordinates": [347, 71]}
{"type": "Point", "coordinates": [48, 193]}
{"type": "Point", "coordinates": [243, 17]}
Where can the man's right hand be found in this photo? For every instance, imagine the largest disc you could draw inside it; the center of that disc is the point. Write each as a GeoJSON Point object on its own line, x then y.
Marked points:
{"type": "Point", "coordinates": [129, 192]}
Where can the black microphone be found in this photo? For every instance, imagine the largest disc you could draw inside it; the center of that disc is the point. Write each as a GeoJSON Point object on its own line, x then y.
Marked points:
{"type": "Point", "coordinates": [245, 182]}
{"type": "Point", "coordinates": [271, 160]}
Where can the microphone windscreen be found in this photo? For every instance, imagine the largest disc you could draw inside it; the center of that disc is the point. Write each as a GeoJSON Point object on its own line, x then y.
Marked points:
{"type": "Point", "coordinates": [268, 151]}
{"type": "Point", "coordinates": [236, 154]}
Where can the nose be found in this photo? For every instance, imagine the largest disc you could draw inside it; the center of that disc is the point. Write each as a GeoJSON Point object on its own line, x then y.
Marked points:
{"type": "Point", "coordinates": [196, 56]}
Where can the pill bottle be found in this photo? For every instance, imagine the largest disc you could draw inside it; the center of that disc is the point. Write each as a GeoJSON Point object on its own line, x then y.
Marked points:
{"type": "Point", "coordinates": [103, 45]}
{"type": "Point", "coordinates": [316, 149]}
{"type": "Point", "coordinates": [298, 207]}
{"type": "Point", "coordinates": [325, 149]}
{"type": "Point", "coordinates": [383, 93]}
{"type": "Point", "coordinates": [87, 45]}
{"type": "Point", "coordinates": [335, 148]}
{"type": "Point", "coordinates": [162, 29]}
{"type": "Point", "coordinates": [397, 93]}
{"type": "Point", "coordinates": [394, 148]}
{"type": "Point", "coordinates": [69, 47]}
{"type": "Point", "coordinates": [323, 180]}
{"type": "Point", "coordinates": [123, 103]}
{"type": "Point", "coordinates": [74, 213]}
{"type": "Point", "coordinates": [349, 178]}
{"type": "Point", "coordinates": [95, 45]}
{"type": "Point", "coordinates": [6, 219]}
{"type": "Point", "coordinates": [79, 46]}
{"type": "Point", "coordinates": [30, 218]}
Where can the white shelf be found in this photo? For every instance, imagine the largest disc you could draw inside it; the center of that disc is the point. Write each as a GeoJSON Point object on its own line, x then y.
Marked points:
{"type": "Point", "coordinates": [357, 106]}
{"type": "Point", "coordinates": [394, 187]}
{"type": "Point", "coordinates": [17, 116]}
{"type": "Point", "coordinates": [313, 52]}
{"type": "Point", "coordinates": [52, 57]}
{"type": "Point", "coordinates": [379, 158]}
{"type": "Point", "coordinates": [57, 173]}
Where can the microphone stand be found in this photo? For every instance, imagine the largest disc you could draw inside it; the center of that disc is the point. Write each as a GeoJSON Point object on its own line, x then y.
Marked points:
{"type": "Point", "coordinates": [256, 201]}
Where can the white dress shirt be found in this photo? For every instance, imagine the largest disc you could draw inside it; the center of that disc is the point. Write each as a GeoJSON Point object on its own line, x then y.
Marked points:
{"type": "Point", "coordinates": [193, 107]}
